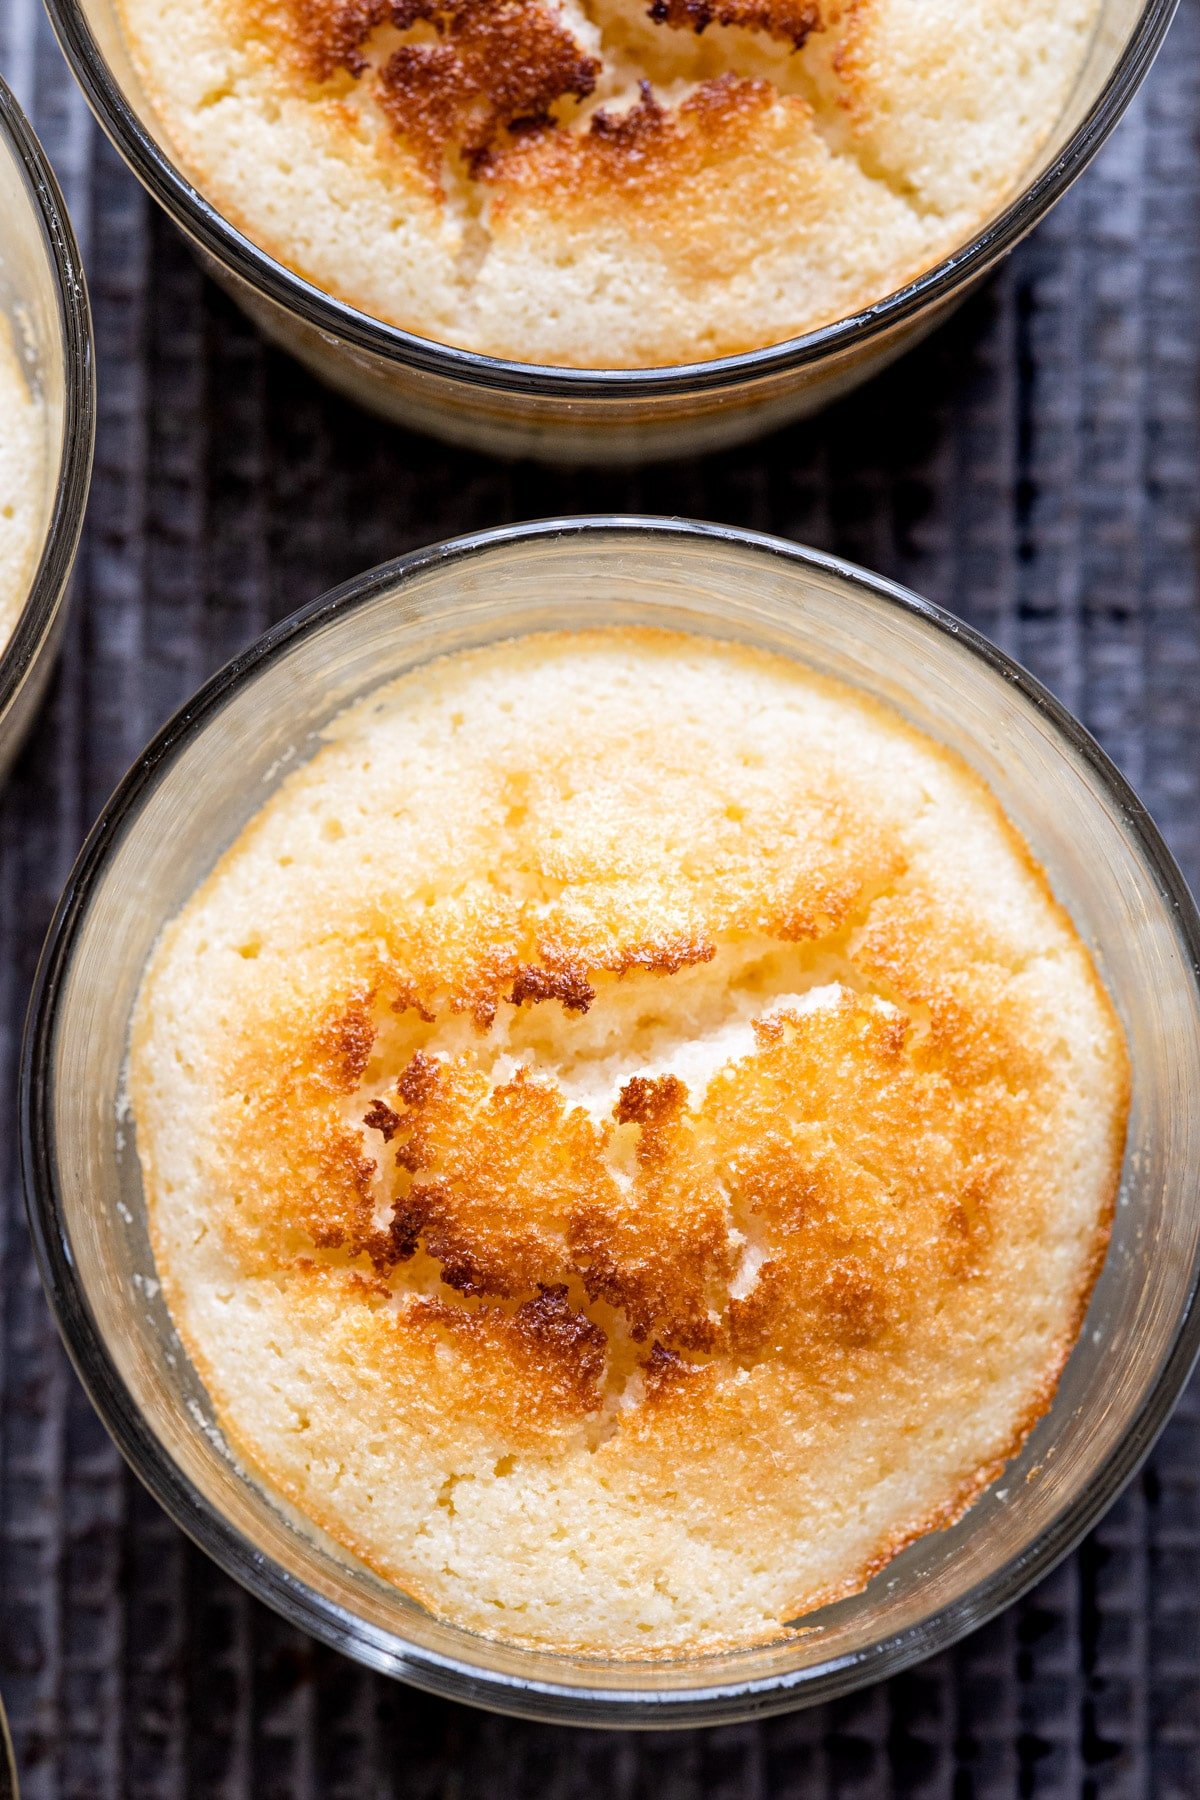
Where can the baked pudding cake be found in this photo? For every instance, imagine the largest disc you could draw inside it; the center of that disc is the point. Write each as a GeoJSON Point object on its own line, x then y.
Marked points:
{"type": "Point", "coordinates": [608, 183]}
{"type": "Point", "coordinates": [629, 1137]}
{"type": "Point", "coordinates": [22, 478]}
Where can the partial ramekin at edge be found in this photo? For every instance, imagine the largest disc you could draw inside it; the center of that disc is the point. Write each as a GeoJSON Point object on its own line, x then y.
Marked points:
{"type": "Point", "coordinates": [8, 1767]}
{"type": "Point", "coordinates": [212, 768]}
{"type": "Point", "coordinates": [588, 415]}
{"type": "Point", "coordinates": [42, 291]}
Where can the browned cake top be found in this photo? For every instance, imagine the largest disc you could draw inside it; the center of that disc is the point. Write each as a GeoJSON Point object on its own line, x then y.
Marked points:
{"type": "Point", "coordinates": [623, 1065]}
{"type": "Point", "coordinates": [472, 76]}
{"type": "Point", "coordinates": [608, 183]}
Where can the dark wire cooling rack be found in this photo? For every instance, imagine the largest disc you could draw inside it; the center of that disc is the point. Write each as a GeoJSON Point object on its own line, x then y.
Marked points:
{"type": "Point", "coordinates": [1036, 468]}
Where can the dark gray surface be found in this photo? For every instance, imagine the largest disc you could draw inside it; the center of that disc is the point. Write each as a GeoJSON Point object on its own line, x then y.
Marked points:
{"type": "Point", "coordinates": [1035, 468]}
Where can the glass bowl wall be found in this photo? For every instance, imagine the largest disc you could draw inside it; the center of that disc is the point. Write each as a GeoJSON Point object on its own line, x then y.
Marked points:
{"type": "Point", "coordinates": [43, 295]}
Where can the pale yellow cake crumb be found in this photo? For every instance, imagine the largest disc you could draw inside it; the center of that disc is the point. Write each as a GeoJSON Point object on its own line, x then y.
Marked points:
{"type": "Point", "coordinates": [608, 183]}
{"type": "Point", "coordinates": [22, 477]}
{"type": "Point", "coordinates": [629, 1138]}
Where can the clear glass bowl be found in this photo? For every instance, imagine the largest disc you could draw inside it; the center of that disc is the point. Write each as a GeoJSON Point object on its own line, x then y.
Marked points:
{"type": "Point", "coordinates": [212, 768]}
{"type": "Point", "coordinates": [8, 1767]}
{"type": "Point", "coordinates": [580, 414]}
{"type": "Point", "coordinates": [43, 293]}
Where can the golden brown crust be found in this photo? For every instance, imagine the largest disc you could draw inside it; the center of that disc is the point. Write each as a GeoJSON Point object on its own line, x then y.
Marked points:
{"type": "Point", "coordinates": [793, 21]}
{"type": "Point", "coordinates": [640, 154]}
{"type": "Point", "coordinates": [485, 68]}
{"type": "Point", "coordinates": [568, 984]}
{"type": "Point", "coordinates": [476, 78]}
{"type": "Point", "coordinates": [558, 1354]}
{"type": "Point", "coordinates": [512, 1192]}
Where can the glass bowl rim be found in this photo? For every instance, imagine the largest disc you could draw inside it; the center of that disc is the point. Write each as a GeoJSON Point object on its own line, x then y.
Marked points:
{"type": "Point", "coordinates": [8, 1760]}
{"type": "Point", "coordinates": [335, 1625]}
{"type": "Point", "coordinates": [264, 274]}
{"type": "Point", "coordinates": [61, 539]}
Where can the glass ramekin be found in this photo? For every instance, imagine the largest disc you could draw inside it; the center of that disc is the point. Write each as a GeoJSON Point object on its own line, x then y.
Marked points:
{"type": "Point", "coordinates": [43, 293]}
{"type": "Point", "coordinates": [609, 415]}
{"type": "Point", "coordinates": [8, 1766]}
{"type": "Point", "coordinates": [210, 770]}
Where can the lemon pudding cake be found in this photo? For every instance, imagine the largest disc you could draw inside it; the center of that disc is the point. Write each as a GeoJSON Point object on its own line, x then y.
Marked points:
{"type": "Point", "coordinates": [22, 470]}
{"type": "Point", "coordinates": [629, 1137]}
{"type": "Point", "coordinates": [608, 183]}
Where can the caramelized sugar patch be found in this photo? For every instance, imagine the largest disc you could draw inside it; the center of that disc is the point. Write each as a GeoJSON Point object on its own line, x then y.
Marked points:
{"type": "Point", "coordinates": [831, 1172]}
{"type": "Point", "coordinates": [470, 80]}
{"type": "Point", "coordinates": [449, 74]}
{"type": "Point", "coordinates": [793, 21]}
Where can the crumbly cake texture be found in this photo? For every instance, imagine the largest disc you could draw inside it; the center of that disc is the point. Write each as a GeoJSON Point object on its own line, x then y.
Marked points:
{"type": "Point", "coordinates": [22, 475]}
{"type": "Point", "coordinates": [629, 1139]}
{"type": "Point", "coordinates": [603, 183]}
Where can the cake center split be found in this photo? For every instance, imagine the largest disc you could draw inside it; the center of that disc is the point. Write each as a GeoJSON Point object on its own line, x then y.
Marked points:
{"type": "Point", "coordinates": [471, 83]}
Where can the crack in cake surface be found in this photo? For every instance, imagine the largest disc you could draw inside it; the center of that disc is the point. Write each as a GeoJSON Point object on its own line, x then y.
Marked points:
{"type": "Point", "coordinates": [519, 1144]}
{"type": "Point", "coordinates": [467, 83]}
